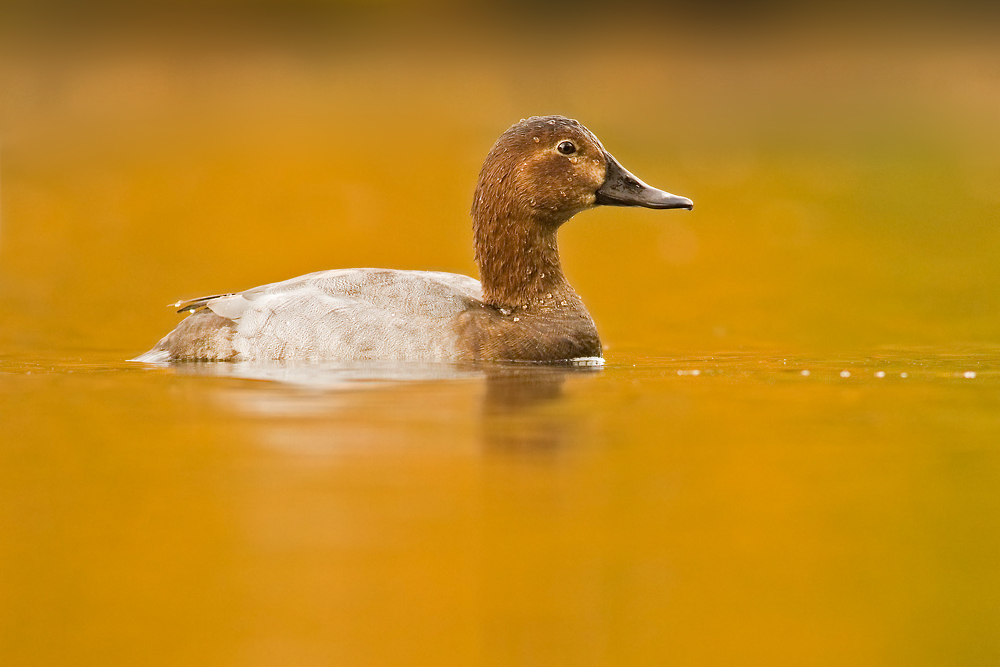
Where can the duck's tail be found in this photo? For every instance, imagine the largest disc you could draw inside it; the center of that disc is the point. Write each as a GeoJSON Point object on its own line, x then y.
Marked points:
{"type": "Point", "coordinates": [203, 336]}
{"type": "Point", "coordinates": [194, 305]}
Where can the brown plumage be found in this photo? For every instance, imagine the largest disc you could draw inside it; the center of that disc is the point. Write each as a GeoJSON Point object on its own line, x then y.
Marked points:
{"type": "Point", "coordinates": [540, 173]}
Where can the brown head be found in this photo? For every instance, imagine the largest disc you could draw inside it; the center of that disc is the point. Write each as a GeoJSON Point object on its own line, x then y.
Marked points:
{"type": "Point", "coordinates": [541, 172]}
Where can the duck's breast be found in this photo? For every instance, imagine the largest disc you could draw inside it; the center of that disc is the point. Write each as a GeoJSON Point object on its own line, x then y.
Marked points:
{"type": "Point", "coordinates": [352, 314]}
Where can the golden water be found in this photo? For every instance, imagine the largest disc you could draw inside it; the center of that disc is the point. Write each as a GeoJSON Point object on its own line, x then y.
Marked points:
{"type": "Point", "coordinates": [790, 458]}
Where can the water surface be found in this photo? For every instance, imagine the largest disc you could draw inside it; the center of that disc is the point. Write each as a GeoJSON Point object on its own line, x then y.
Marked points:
{"type": "Point", "coordinates": [709, 509]}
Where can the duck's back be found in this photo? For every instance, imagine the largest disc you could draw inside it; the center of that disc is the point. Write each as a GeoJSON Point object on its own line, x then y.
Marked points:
{"type": "Point", "coordinates": [347, 314]}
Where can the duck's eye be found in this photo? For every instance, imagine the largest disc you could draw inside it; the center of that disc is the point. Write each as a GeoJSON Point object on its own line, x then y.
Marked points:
{"type": "Point", "coordinates": [566, 147]}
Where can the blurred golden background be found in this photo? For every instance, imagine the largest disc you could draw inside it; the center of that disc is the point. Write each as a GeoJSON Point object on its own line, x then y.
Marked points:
{"type": "Point", "coordinates": [844, 165]}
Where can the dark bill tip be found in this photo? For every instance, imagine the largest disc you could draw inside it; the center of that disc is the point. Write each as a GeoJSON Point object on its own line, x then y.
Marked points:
{"type": "Point", "coordinates": [621, 188]}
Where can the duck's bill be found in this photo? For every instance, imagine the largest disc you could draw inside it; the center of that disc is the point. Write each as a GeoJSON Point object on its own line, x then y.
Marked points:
{"type": "Point", "coordinates": [621, 188]}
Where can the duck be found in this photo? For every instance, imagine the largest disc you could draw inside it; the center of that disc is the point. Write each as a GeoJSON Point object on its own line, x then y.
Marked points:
{"type": "Point", "coordinates": [541, 172]}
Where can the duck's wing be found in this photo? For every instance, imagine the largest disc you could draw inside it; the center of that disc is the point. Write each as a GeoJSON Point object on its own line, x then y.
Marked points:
{"type": "Point", "coordinates": [369, 285]}
{"type": "Point", "coordinates": [352, 314]}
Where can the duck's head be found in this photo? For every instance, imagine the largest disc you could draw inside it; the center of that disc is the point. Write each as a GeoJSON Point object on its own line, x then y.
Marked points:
{"type": "Point", "coordinates": [547, 169]}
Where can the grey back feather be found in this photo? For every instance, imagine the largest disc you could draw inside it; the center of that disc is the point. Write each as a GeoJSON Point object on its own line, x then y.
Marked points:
{"type": "Point", "coordinates": [350, 314]}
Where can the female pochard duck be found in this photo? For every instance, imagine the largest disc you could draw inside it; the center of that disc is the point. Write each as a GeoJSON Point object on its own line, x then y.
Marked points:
{"type": "Point", "coordinates": [540, 173]}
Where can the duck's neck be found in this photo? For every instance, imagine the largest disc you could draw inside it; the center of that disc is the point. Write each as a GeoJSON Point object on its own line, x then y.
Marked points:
{"type": "Point", "coordinates": [518, 260]}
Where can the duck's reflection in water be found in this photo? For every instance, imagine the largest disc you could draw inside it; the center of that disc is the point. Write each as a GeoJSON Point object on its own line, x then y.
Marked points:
{"type": "Point", "coordinates": [521, 411]}
{"type": "Point", "coordinates": [365, 406]}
